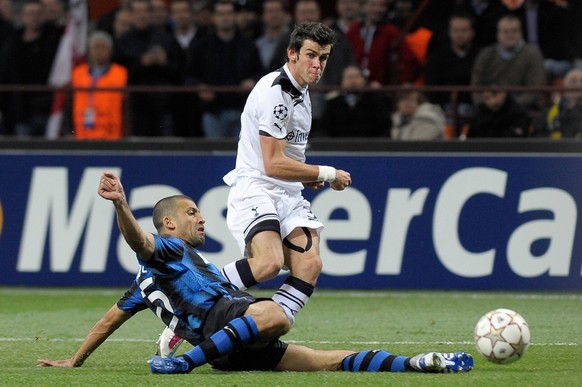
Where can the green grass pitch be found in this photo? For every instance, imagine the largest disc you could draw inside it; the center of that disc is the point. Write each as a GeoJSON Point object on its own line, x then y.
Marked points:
{"type": "Point", "coordinates": [51, 323]}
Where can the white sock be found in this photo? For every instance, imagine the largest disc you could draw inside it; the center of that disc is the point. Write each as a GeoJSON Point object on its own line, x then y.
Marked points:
{"type": "Point", "coordinates": [292, 296]}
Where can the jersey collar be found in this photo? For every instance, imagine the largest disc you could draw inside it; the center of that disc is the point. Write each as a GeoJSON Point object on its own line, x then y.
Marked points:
{"type": "Point", "coordinates": [293, 81]}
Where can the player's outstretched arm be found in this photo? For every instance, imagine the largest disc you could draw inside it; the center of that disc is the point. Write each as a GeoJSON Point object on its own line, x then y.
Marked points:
{"type": "Point", "coordinates": [108, 324]}
{"type": "Point", "coordinates": [110, 188]}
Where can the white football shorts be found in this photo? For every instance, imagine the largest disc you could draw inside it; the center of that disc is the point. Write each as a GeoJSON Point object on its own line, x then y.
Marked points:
{"type": "Point", "coordinates": [256, 205]}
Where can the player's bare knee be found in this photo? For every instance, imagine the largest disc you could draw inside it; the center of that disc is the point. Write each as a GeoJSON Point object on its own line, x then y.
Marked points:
{"type": "Point", "coordinates": [307, 267]}
{"type": "Point", "coordinates": [267, 261]}
{"type": "Point", "coordinates": [275, 266]}
{"type": "Point", "coordinates": [280, 323]}
{"type": "Point", "coordinates": [266, 269]}
{"type": "Point", "coordinates": [315, 265]}
{"type": "Point", "coordinates": [270, 319]}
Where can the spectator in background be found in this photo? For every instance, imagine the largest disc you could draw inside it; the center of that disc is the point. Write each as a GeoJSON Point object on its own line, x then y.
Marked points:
{"type": "Point", "coordinates": [553, 27]}
{"type": "Point", "coordinates": [451, 64]}
{"type": "Point", "coordinates": [6, 20]}
{"type": "Point", "coordinates": [499, 115]}
{"type": "Point", "coordinates": [98, 115]}
{"type": "Point", "coordinates": [203, 13]}
{"type": "Point", "coordinates": [149, 56]}
{"type": "Point", "coordinates": [224, 58]}
{"type": "Point", "coordinates": [248, 19]}
{"type": "Point", "coordinates": [7, 26]}
{"type": "Point", "coordinates": [275, 20]}
{"type": "Point", "coordinates": [186, 109]}
{"type": "Point", "coordinates": [348, 13]}
{"type": "Point", "coordinates": [7, 29]}
{"type": "Point", "coordinates": [185, 32]}
{"type": "Point", "coordinates": [7, 10]}
{"type": "Point", "coordinates": [376, 42]}
{"type": "Point", "coordinates": [511, 62]}
{"type": "Point", "coordinates": [564, 118]}
{"type": "Point", "coordinates": [416, 119]}
{"type": "Point", "coordinates": [355, 113]}
{"type": "Point", "coordinates": [435, 16]}
{"type": "Point", "coordinates": [121, 23]}
{"type": "Point", "coordinates": [486, 14]}
{"type": "Point", "coordinates": [106, 22]}
{"type": "Point", "coordinates": [416, 36]}
{"type": "Point", "coordinates": [27, 59]}
{"type": "Point", "coordinates": [55, 13]}
{"type": "Point", "coordinates": [160, 15]}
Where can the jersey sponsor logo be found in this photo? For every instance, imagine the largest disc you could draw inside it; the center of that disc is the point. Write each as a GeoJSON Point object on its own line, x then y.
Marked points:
{"type": "Point", "coordinates": [297, 137]}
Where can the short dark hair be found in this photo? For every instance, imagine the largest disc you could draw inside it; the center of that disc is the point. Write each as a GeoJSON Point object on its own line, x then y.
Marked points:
{"type": "Point", "coordinates": [463, 15]}
{"type": "Point", "coordinates": [509, 17]}
{"type": "Point", "coordinates": [235, 5]}
{"type": "Point", "coordinates": [132, 2]}
{"type": "Point", "coordinates": [165, 207]}
{"type": "Point", "coordinates": [314, 31]}
{"type": "Point", "coordinates": [284, 4]}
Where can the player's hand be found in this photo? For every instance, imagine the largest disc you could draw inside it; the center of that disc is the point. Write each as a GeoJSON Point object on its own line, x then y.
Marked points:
{"type": "Point", "coordinates": [314, 185]}
{"type": "Point", "coordinates": [67, 363]}
{"type": "Point", "coordinates": [342, 180]}
{"type": "Point", "coordinates": [110, 187]}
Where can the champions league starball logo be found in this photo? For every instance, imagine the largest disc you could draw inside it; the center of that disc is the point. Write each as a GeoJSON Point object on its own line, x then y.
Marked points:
{"type": "Point", "coordinates": [280, 112]}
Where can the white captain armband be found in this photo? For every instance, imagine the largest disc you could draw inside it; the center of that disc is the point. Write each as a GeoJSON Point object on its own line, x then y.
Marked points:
{"type": "Point", "coordinates": [326, 173]}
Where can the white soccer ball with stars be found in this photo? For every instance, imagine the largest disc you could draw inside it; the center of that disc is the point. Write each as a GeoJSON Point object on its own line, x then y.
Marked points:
{"type": "Point", "coordinates": [502, 336]}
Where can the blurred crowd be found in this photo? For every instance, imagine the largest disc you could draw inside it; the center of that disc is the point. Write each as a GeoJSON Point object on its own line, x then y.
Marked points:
{"type": "Point", "coordinates": [222, 47]}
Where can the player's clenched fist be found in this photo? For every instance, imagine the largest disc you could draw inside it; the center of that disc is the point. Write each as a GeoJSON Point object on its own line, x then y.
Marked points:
{"type": "Point", "coordinates": [110, 187]}
{"type": "Point", "coordinates": [341, 181]}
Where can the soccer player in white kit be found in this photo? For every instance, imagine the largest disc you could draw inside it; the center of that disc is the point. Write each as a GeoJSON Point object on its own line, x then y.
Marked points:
{"type": "Point", "coordinates": [267, 214]}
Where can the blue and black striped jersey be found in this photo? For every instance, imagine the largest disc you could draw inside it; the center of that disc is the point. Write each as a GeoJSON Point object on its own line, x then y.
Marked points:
{"type": "Point", "coordinates": [179, 285]}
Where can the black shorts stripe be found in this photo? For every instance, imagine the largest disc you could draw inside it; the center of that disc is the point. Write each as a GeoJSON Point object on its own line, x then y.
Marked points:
{"type": "Point", "coordinates": [267, 225]}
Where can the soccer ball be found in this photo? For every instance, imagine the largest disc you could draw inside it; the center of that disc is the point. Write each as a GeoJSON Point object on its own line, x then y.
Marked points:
{"type": "Point", "coordinates": [502, 336]}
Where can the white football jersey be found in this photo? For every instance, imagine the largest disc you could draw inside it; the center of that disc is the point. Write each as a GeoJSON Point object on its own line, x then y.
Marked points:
{"type": "Point", "coordinates": [277, 107]}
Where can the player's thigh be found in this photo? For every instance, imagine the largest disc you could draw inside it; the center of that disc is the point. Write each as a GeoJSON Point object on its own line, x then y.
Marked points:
{"type": "Point", "coordinates": [266, 245]}
{"type": "Point", "coordinates": [251, 210]}
{"type": "Point", "coordinates": [301, 250]}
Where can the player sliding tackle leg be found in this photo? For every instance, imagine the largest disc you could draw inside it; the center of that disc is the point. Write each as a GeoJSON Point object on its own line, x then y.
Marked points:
{"type": "Point", "coordinates": [301, 358]}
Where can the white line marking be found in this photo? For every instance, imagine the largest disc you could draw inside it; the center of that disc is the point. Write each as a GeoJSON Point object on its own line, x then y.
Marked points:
{"type": "Point", "coordinates": [118, 340]}
{"type": "Point", "coordinates": [321, 293]}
